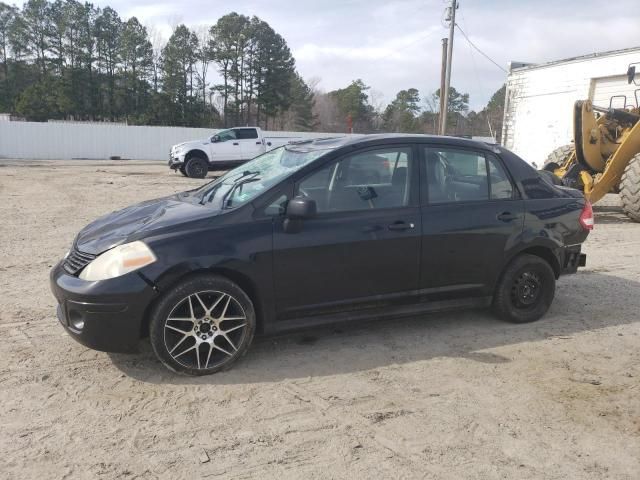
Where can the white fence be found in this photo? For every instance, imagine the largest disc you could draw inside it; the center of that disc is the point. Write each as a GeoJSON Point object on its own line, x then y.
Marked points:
{"type": "Point", "coordinates": [42, 141]}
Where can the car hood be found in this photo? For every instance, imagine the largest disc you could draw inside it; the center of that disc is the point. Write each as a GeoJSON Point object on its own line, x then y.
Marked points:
{"type": "Point", "coordinates": [191, 144]}
{"type": "Point", "coordinates": [139, 221]}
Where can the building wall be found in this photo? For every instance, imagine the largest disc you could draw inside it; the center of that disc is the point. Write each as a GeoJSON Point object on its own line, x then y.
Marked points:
{"type": "Point", "coordinates": [54, 140]}
{"type": "Point", "coordinates": [539, 100]}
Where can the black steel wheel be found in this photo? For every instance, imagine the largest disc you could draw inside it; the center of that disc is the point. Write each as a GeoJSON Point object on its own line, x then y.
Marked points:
{"type": "Point", "coordinates": [525, 290]}
{"type": "Point", "coordinates": [202, 326]}
{"type": "Point", "coordinates": [196, 167]}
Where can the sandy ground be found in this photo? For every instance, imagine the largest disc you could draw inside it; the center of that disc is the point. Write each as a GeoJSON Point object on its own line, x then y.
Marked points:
{"type": "Point", "coordinates": [458, 395]}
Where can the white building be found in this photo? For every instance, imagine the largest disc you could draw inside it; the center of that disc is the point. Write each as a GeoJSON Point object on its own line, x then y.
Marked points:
{"type": "Point", "coordinates": [538, 115]}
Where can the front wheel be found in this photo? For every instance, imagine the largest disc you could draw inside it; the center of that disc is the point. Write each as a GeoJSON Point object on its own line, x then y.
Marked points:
{"type": "Point", "coordinates": [183, 171]}
{"type": "Point", "coordinates": [526, 290]}
{"type": "Point", "coordinates": [630, 189]}
{"type": "Point", "coordinates": [558, 157]}
{"type": "Point", "coordinates": [196, 167]}
{"type": "Point", "coordinates": [202, 326]}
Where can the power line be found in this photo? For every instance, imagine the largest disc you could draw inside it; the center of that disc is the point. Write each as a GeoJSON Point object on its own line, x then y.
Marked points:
{"type": "Point", "coordinates": [480, 51]}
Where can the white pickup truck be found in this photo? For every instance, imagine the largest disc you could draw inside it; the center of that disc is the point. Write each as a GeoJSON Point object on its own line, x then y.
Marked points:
{"type": "Point", "coordinates": [225, 149]}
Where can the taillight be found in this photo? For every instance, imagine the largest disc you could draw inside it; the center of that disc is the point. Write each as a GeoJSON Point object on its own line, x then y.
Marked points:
{"type": "Point", "coordinates": [586, 217]}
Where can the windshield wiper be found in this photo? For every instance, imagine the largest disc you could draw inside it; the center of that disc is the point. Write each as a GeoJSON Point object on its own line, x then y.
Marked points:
{"type": "Point", "coordinates": [208, 196]}
{"type": "Point", "coordinates": [247, 177]}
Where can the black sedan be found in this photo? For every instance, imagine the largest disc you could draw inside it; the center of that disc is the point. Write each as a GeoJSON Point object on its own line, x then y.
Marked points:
{"type": "Point", "coordinates": [328, 230]}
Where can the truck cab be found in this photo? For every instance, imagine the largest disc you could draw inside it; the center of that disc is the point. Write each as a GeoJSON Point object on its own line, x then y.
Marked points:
{"type": "Point", "coordinates": [237, 144]}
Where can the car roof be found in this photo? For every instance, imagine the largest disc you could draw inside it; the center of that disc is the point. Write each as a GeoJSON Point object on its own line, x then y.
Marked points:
{"type": "Point", "coordinates": [520, 169]}
{"type": "Point", "coordinates": [330, 143]}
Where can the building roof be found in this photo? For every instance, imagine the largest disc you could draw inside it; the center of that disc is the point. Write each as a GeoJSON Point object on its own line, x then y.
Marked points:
{"type": "Point", "coordinates": [515, 66]}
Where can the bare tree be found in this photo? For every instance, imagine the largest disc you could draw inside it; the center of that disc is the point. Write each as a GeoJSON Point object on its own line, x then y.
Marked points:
{"type": "Point", "coordinates": [158, 41]}
{"type": "Point", "coordinates": [204, 57]}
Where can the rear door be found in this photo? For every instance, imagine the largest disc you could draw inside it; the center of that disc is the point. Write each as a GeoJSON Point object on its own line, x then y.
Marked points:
{"type": "Point", "coordinates": [250, 145]}
{"type": "Point", "coordinates": [471, 215]}
{"type": "Point", "coordinates": [362, 250]}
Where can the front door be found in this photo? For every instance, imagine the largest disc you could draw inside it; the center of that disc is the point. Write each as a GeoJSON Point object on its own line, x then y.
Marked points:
{"type": "Point", "coordinates": [472, 215]}
{"type": "Point", "coordinates": [227, 148]}
{"type": "Point", "coordinates": [362, 250]}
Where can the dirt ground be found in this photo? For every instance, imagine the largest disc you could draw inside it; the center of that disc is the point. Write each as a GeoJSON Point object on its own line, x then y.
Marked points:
{"type": "Point", "coordinates": [458, 395]}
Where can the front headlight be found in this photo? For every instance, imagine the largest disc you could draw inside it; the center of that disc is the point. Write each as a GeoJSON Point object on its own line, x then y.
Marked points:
{"type": "Point", "coordinates": [118, 261]}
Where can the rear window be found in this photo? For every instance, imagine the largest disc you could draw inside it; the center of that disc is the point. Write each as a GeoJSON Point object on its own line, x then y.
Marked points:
{"type": "Point", "coordinates": [246, 133]}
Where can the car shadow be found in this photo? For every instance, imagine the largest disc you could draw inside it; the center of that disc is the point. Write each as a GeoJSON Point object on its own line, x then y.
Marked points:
{"type": "Point", "coordinates": [584, 302]}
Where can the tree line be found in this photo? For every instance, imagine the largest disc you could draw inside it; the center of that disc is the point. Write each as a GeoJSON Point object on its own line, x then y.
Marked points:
{"type": "Point", "coordinates": [63, 59]}
{"type": "Point", "coordinates": [408, 112]}
{"type": "Point", "coordinates": [67, 60]}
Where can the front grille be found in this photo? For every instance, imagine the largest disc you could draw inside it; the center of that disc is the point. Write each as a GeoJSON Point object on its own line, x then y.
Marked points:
{"type": "Point", "coordinates": [76, 261]}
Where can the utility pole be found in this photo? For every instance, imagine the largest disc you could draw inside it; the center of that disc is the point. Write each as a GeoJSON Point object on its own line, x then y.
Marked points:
{"type": "Point", "coordinates": [452, 26]}
{"type": "Point", "coordinates": [443, 74]}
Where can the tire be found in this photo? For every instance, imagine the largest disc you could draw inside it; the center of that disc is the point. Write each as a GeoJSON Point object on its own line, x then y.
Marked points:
{"type": "Point", "coordinates": [196, 167]}
{"type": "Point", "coordinates": [182, 170]}
{"type": "Point", "coordinates": [630, 189]}
{"type": "Point", "coordinates": [202, 326]}
{"type": "Point", "coordinates": [558, 157]}
{"type": "Point", "coordinates": [525, 290]}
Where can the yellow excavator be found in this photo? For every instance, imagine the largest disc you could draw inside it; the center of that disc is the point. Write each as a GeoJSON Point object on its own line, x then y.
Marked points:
{"type": "Point", "coordinates": [605, 154]}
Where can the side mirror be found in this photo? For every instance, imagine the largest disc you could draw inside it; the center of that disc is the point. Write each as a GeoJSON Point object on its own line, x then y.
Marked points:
{"type": "Point", "coordinates": [298, 209]}
{"type": "Point", "coordinates": [301, 208]}
{"type": "Point", "coordinates": [215, 139]}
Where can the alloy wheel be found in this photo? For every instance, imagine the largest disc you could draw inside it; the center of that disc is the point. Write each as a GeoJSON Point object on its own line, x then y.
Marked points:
{"type": "Point", "coordinates": [205, 330]}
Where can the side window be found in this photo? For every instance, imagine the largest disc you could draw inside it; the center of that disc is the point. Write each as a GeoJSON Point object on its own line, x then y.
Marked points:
{"type": "Point", "coordinates": [246, 133]}
{"type": "Point", "coordinates": [371, 179]}
{"type": "Point", "coordinates": [227, 135]}
{"type": "Point", "coordinates": [455, 175]}
{"type": "Point", "coordinates": [501, 187]}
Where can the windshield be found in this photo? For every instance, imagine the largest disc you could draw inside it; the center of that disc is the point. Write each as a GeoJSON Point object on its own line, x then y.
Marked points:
{"type": "Point", "coordinates": [244, 183]}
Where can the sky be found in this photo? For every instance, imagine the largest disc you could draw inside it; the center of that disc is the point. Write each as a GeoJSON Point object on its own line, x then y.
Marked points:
{"type": "Point", "coordinates": [395, 45]}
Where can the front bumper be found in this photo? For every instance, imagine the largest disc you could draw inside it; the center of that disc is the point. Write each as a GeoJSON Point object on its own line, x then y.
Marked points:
{"type": "Point", "coordinates": [175, 161]}
{"type": "Point", "coordinates": [106, 315]}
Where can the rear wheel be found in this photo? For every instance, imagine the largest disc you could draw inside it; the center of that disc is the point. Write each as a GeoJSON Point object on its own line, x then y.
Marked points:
{"type": "Point", "coordinates": [558, 157]}
{"type": "Point", "coordinates": [202, 326]}
{"type": "Point", "coordinates": [526, 290]}
{"type": "Point", "coordinates": [196, 167]}
{"type": "Point", "coordinates": [630, 189]}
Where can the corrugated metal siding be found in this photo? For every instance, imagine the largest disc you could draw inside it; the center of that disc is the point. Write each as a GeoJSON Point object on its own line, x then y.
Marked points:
{"type": "Point", "coordinates": [539, 104]}
{"type": "Point", "coordinates": [99, 141]}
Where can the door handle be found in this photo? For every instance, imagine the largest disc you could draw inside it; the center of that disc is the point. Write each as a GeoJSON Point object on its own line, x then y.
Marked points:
{"type": "Point", "coordinates": [236, 143]}
{"type": "Point", "coordinates": [506, 217]}
{"type": "Point", "coordinates": [258, 143]}
{"type": "Point", "coordinates": [397, 226]}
